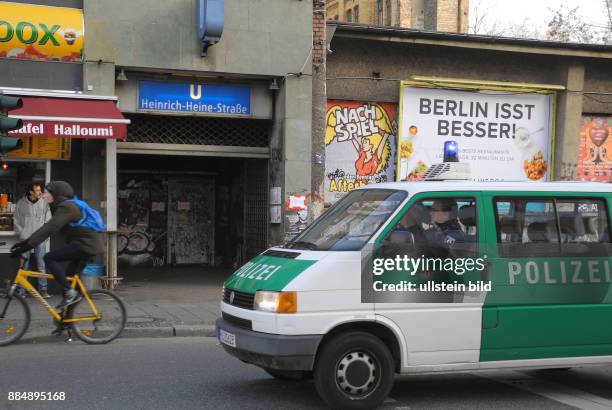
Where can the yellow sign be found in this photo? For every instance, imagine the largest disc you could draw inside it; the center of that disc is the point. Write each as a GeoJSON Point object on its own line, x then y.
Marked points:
{"type": "Point", "coordinates": [43, 148]}
{"type": "Point", "coordinates": [46, 33]}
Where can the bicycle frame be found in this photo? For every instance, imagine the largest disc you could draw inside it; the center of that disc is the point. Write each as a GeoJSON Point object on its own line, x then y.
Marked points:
{"type": "Point", "coordinates": [21, 279]}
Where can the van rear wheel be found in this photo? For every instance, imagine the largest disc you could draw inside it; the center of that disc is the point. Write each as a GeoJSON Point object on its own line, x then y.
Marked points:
{"type": "Point", "coordinates": [354, 370]}
{"type": "Point", "coordinates": [293, 375]}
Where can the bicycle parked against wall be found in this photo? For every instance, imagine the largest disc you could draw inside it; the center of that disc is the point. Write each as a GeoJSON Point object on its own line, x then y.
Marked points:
{"type": "Point", "coordinates": [98, 318]}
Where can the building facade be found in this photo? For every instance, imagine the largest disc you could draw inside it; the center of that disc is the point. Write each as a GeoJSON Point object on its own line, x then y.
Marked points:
{"type": "Point", "coordinates": [219, 134]}
{"type": "Point", "coordinates": [436, 15]}
{"type": "Point", "coordinates": [211, 136]}
{"type": "Point", "coordinates": [66, 129]}
{"type": "Point", "coordinates": [408, 91]}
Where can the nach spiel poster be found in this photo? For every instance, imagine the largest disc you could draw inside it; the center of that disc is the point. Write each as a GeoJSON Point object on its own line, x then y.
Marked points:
{"type": "Point", "coordinates": [360, 141]}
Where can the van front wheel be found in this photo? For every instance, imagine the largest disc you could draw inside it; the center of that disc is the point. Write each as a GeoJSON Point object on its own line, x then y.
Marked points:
{"type": "Point", "coordinates": [354, 370]}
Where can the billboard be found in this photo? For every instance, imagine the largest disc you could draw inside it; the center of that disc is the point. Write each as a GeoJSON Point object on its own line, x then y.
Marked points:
{"type": "Point", "coordinates": [504, 136]}
{"type": "Point", "coordinates": [33, 32]}
{"type": "Point", "coordinates": [595, 149]}
{"type": "Point", "coordinates": [360, 139]}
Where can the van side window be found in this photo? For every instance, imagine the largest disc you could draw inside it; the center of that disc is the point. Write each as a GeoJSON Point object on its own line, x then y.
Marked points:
{"type": "Point", "coordinates": [584, 225]}
{"type": "Point", "coordinates": [552, 227]}
{"type": "Point", "coordinates": [526, 227]}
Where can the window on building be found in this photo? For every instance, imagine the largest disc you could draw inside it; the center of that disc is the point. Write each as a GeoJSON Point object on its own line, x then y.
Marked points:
{"type": "Point", "coordinates": [356, 14]}
{"type": "Point", "coordinates": [336, 17]}
{"type": "Point", "coordinates": [388, 13]}
{"type": "Point", "coordinates": [379, 12]}
{"type": "Point", "coordinates": [349, 15]}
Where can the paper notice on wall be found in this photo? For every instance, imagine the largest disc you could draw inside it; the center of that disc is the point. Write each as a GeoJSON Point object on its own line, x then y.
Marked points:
{"type": "Point", "coordinates": [275, 214]}
{"type": "Point", "coordinates": [158, 206]}
{"type": "Point", "coordinates": [183, 206]}
{"type": "Point", "coordinates": [296, 202]}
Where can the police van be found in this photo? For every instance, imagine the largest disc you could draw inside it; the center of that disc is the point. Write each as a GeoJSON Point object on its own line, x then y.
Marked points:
{"type": "Point", "coordinates": [539, 293]}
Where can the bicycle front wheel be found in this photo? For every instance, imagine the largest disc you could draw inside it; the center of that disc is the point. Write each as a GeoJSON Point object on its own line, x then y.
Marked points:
{"type": "Point", "coordinates": [16, 318]}
{"type": "Point", "coordinates": [110, 322]}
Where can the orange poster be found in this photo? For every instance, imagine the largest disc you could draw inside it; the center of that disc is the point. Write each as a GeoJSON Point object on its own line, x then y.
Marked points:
{"type": "Point", "coordinates": [595, 149]}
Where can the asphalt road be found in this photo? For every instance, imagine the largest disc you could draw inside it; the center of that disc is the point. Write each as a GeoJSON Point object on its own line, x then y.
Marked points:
{"type": "Point", "coordinates": [189, 373]}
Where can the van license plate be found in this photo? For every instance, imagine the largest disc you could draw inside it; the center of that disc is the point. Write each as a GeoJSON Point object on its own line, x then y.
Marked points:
{"type": "Point", "coordinates": [227, 338]}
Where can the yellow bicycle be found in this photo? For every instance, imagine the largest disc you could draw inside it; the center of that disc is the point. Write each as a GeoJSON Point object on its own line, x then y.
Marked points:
{"type": "Point", "coordinates": [99, 317]}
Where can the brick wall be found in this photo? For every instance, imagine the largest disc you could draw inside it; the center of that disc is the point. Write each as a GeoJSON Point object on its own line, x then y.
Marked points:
{"type": "Point", "coordinates": [318, 32]}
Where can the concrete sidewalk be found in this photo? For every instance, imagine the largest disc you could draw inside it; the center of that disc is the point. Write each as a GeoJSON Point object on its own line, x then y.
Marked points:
{"type": "Point", "coordinates": [162, 302]}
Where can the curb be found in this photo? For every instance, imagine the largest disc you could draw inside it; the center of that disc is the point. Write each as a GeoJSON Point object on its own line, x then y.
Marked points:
{"type": "Point", "coordinates": [44, 336]}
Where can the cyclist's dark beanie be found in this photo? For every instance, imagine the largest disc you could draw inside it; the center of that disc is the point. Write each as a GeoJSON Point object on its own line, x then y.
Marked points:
{"type": "Point", "coordinates": [60, 190]}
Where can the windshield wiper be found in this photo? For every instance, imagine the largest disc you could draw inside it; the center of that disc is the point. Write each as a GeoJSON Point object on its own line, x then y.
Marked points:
{"type": "Point", "coordinates": [308, 245]}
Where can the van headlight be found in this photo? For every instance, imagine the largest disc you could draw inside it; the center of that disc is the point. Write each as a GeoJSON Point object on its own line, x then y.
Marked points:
{"type": "Point", "coordinates": [275, 302]}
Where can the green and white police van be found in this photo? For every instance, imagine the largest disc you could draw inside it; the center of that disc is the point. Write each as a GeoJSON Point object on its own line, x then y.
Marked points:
{"type": "Point", "coordinates": [314, 307]}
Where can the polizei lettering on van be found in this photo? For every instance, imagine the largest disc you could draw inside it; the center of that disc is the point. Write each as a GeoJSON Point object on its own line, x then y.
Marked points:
{"type": "Point", "coordinates": [257, 271]}
{"type": "Point", "coordinates": [559, 272]}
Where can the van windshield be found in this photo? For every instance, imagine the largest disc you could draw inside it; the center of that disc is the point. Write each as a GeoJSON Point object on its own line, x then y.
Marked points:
{"type": "Point", "coordinates": [350, 223]}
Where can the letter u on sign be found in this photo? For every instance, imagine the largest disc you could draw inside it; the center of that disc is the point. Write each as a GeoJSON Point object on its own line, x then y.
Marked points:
{"type": "Point", "coordinates": [192, 91]}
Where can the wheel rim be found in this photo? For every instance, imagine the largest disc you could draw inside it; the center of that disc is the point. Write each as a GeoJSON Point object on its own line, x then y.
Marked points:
{"type": "Point", "coordinates": [110, 320]}
{"type": "Point", "coordinates": [15, 321]}
{"type": "Point", "coordinates": [357, 374]}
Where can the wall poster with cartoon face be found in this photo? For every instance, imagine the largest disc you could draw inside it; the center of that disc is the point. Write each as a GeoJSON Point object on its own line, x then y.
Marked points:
{"type": "Point", "coordinates": [360, 140]}
{"type": "Point", "coordinates": [595, 149]}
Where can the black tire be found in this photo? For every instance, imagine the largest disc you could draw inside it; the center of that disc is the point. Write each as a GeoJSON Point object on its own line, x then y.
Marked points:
{"type": "Point", "coordinates": [291, 375]}
{"type": "Point", "coordinates": [354, 370]}
{"type": "Point", "coordinates": [17, 318]}
{"type": "Point", "coordinates": [108, 327]}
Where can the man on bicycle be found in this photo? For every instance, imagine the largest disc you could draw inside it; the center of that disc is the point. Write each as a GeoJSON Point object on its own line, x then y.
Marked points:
{"type": "Point", "coordinates": [81, 243]}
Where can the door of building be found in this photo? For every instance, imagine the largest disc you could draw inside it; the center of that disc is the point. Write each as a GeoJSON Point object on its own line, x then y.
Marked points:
{"type": "Point", "coordinates": [191, 215]}
{"type": "Point", "coordinates": [256, 207]}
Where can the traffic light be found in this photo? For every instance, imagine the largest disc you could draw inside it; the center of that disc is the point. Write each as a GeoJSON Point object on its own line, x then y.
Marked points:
{"type": "Point", "coordinates": [8, 144]}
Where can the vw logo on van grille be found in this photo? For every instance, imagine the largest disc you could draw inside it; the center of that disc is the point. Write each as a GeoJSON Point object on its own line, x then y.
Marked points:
{"type": "Point", "coordinates": [232, 296]}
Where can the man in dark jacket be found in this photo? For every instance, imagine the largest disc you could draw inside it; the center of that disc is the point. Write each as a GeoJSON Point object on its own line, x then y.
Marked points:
{"type": "Point", "coordinates": [81, 243]}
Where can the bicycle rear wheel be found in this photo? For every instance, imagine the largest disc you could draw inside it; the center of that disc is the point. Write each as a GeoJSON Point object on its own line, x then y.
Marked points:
{"type": "Point", "coordinates": [112, 319]}
{"type": "Point", "coordinates": [16, 319]}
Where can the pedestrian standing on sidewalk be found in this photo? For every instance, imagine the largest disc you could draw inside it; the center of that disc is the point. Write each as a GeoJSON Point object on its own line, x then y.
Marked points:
{"type": "Point", "coordinates": [31, 213]}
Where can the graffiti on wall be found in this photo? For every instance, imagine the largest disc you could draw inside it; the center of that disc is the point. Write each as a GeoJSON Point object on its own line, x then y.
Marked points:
{"type": "Point", "coordinates": [595, 149]}
{"type": "Point", "coordinates": [141, 236]}
{"type": "Point", "coordinates": [360, 139]}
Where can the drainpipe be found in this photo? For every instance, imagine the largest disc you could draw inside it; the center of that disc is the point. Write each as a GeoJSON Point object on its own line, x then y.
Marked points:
{"type": "Point", "coordinates": [399, 14]}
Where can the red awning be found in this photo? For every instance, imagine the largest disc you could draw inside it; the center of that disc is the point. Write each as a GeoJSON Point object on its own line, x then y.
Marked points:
{"type": "Point", "coordinates": [82, 117]}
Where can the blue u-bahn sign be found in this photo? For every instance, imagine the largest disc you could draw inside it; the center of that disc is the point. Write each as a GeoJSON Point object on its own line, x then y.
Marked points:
{"type": "Point", "coordinates": [194, 98]}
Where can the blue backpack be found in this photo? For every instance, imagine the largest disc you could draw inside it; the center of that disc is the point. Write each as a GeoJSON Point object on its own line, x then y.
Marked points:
{"type": "Point", "coordinates": [91, 218]}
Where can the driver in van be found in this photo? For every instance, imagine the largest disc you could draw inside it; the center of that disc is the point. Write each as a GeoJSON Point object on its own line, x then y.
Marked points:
{"type": "Point", "coordinates": [445, 230]}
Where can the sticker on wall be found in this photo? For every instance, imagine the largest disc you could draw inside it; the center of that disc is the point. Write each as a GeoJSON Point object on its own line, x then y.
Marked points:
{"type": "Point", "coordinates": [296, 202]}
